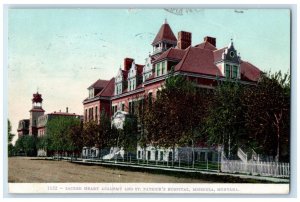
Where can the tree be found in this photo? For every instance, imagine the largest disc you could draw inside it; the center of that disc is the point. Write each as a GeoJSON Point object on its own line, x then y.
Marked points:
{"type": "Point", "coordinates": [26, 144]}
{"type": "Point", "coordinates": [90, 133]}
{"type": "Point", "coordinates": [128, 136]}
{"type": "Point", "coordinates": [9, 134]}
{"type": "Point", "coordinates": [59, 133]}
{"type": "Point", "coordinates": [268, 114]}
{"type": "Point", "coordinates": [76, 136]}
{"type": "Point", "coordinates": [175, 117]}
{"type": "Point", "coordinates": [105, 136]}
{"type": "Point", "coordinates": [10, 137]}
{"type": "Point", "coordinates": [225, 121]}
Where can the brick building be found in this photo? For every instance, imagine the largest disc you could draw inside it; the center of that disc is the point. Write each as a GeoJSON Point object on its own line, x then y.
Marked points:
{"type": "Point", "coordinates": [203, 63]}
{"type": "Point", "coordinates": [36, 125]}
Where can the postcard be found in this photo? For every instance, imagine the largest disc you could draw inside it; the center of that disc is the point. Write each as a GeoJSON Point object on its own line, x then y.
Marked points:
{"type": "Point", "coordinates": [140, 100]}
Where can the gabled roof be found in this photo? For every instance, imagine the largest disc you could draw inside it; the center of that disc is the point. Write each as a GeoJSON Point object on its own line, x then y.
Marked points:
{"type": "Point", "coordinates": [172, 53]}
{"type": "Point", "coordinates": [249, 71]}
{"type": "Point", "coordinates": [206, 45]}
{"type": "Point", "coordinates": [108, 90]}
{"type": "Point", "coordinates": [165, 33]}
{"type": "Point", "coordinates": [99, 84]}
{"type": "Point", "coordinates": [198, 60]}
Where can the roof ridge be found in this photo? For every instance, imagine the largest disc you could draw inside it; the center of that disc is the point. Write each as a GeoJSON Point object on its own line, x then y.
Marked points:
{"type": "Point", "coordinates": [105, 86]}
{"type": "Point", "coordinates": [219, 49]}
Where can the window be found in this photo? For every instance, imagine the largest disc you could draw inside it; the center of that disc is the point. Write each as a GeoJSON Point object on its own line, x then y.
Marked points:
{"type": "Point", "coordinates": [139, 154]}
{"type": "Point", "coordinates": [156, 155]}
{"type": "Point", "coordinates": [130, 106]}
{"type": "Point", "coordinates": [96, 113]}
{"type": "Point", "coordinates": [132, 110]}
{"type": "Point", "coordinates": [157, 69]}
{"type": "Point", "coordinates": [149, 155]}
{"type": "Point", "coordinates": [123, 107]}
{"type": "Point", "coordinates": [161, 155]}
{"type": "Point", "coordinates": [141, 105]}
{"type": "Point", "coordinates": [91, 115]}
{"type": "Point", "coordinates": [91, 93]}
{"type": "Point", "coordinates": [227, 71]}
{"type": "Point", "coordinates": [133, 84]}
{"type": "Point", "coordinates": [163, 68]}
{"type": "Point", "coordinates": [114, 109]}
{"type": "Point", "coordinates": [234, 71]}
{"type": "Point", "coordinates": [232, 54]}
{"type": "Point", "coordinates": [150, 98]}
{"type": "Point", "coordinates": [85, 115]}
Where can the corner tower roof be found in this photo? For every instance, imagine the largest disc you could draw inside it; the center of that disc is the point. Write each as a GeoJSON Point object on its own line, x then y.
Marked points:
{"type": "Point", "coordinates": [165, 33]}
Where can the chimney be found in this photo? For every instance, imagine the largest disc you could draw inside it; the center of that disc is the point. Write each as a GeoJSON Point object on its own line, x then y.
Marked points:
{"type": "Point", "coordinates": [184, 39]}
{"type": "Point", "coordinates": [211, 40]}
{"type": "Point", "coordinates": [67, 109]}
{"type": "Point", "coordinates": [127, 63]}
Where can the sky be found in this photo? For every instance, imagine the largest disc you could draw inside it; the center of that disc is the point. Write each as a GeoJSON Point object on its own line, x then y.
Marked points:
{"type": "Point", "coordinates": [61, 52]}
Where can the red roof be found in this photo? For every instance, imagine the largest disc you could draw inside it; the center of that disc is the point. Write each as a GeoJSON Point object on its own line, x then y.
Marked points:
{"type": "Point", "coordinates": [206, 45]}
{"type": "Point", "coordinates": [37, 97]}
{"type": "Point", "coordinates": [37, 110]}
{"type": "Point", "coordinates": [99, 84]}
{"type": "Point", "coordinates": [198, 60]}
{"type": "Point", "coordinates": [63, 114]}
{"type": "Point", "coordinates": [249, 71]}
{"type": "Point", "coordinates": [108, 90]}
{"type": "Point", "coordinates": [218, 54]}
{"type": "Point", "coordinates": [165, 33]}
{"type": "Point", "coordinates": [172, 53]}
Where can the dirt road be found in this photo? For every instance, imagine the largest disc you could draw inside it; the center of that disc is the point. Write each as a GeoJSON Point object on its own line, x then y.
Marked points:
{"type": "Point", "coordinates": [24, 169]}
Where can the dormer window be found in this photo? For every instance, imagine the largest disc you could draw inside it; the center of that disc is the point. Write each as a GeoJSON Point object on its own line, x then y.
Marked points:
{"type": "Point", "coordinates": [147, 69]}
{"type": "Point", "coordinates": [234, 71]}
{"type": "Point", "coordinates": [163, 68]}
{"type": "Point", "coordinates": [230, 63]}
{"type": "Point", "coordinates": [157, 69]}
{"type": "Point", "coordinates": [91, 93]}
{"type": "Point", "coordinates": [231, 71]}
{"type": "Point", "coordinates": [227, 71]}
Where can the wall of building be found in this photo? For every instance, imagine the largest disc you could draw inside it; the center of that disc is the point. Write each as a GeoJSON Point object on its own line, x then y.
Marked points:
{"type": "Point", "coordinates": [34, 115]}
{"type": "Point", "coordinates": [92, 111]}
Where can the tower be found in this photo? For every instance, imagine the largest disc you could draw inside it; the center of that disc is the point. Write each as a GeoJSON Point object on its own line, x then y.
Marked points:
{"type": "Point", "coordinates": [164, 40]}
{"type": "Point", "coordinates": [35, 112]}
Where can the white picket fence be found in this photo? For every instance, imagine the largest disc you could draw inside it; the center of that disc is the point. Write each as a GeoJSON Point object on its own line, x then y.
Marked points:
{"type": "Point", "coordinates": [256, 168]}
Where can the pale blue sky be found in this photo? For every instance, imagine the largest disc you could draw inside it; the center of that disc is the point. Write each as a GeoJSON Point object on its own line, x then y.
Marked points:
{"type": "Point", "coordinates": [63, 51]}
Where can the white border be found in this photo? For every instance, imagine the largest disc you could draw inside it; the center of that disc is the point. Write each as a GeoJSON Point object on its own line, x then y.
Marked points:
{"type": "Point", "coordinates": [213, 4]}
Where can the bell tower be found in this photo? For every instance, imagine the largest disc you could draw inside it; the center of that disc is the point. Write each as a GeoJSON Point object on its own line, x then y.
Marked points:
{"type": "Point", "coordinates": [35, 112]}
{"type": "Point", "coordinates": [164, 40]}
